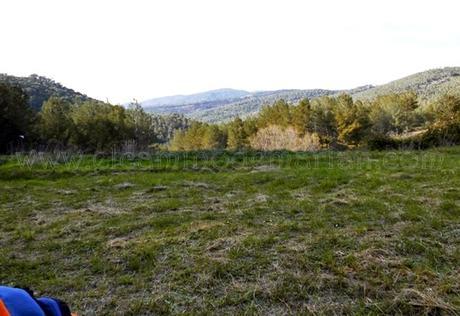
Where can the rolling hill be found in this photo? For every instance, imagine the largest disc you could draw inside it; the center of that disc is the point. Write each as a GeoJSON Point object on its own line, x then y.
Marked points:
{"type": "Point", "coordinates": [40, 89]}
{"type": "Point", "coordinates": [224, 104]}
{"type": "Point", "coordinates": [203, 97]}
{"type": "Point", "coordinates": [220, 110]}
{"type": "Point", "coordinates": [224, 109]}
{"type": "Point", "coordinates": [428, 85]}
{"type": "Point", "coordinates": [214, 107]}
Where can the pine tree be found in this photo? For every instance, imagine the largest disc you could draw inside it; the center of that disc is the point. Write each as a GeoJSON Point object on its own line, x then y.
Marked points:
{"type": "Point", "coordinates": [213, 138]}
{"type": "Point", "coordinates": [301, 115]}
{"type": "Point", "coordinates": [277, 114]}
{"type": "Point", "coordinates": [323, 120]}
{"type": "Point", "coordinates": [16, 118]}
{"type": "Point", "coordinates": [237, 138]}
{"type": "Point", "coordinates": [55, 123]}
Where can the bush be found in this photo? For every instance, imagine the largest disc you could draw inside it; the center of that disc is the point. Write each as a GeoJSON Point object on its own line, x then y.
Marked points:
{"type": "Point", "coordinates": [275, 137]}
{"type": "Point", "coordinates": [436, 135]}
{"type": "Point", "coordinates": [381, 142]}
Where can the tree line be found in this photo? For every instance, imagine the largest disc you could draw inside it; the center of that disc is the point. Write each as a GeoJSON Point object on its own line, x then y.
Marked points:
{"type": "Point", "coordinates": [387, 121]}
{"type": "Point", "coordinates": [85, 125]}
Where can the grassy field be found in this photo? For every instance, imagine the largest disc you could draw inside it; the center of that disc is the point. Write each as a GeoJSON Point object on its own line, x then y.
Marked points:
{"type": "Point", "coordinates": [217, 233]}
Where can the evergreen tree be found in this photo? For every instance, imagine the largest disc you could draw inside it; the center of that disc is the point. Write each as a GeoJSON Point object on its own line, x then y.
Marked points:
{"type": "Point", "coordinates": [352, 120]}
{"type": "Point", "coordinates": [98, 126]}
{"type": "Point", "coordinates": [301, 115]}
{"type": "Point", "coordinates": [447, 110]}
{"type": "Point", "coordinates": [323, 120]}
{"type": "Point", "coordinates": [140, 125]}
{"type": "Point", "coordinates": [16, 118]}
{"type": "Point", "coordinates": [237, 137]}
{"type": "Point", "coordinates": [213, 138]}
{"type": "Point", "coordinates": [276, 114]}
{"type": "Point", "coordinates": [395, 113]}
{"type": "Point", "coordinates": [55, 123]}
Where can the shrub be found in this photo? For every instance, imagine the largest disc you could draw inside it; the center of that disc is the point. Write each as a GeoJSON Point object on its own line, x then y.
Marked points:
{"type": "Point", "coordinates": [445, 135]}
{"type": "Point", "coordinates": [381, 142]}
{"type": "Point", "coordinates": [275, 137]}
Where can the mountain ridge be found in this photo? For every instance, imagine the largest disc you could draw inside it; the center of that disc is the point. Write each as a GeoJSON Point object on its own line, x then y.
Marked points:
{"type": "Point", "coordinates": [427, 84]}
{"type": "Point", "coordinates": [205, 96]}
{"type": "Point", "coordinates": [39, 89]}
{"type": "Point", "coordinates": [220, 105]}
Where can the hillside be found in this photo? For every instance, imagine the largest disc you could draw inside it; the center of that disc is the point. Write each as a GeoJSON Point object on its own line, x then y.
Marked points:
{"type": "Point", "coordinates": [224, 104]}
{"type": "Point", "coordinates": [251, 104]}
{"type": "Point", "coordinates": [225, 109]}
{"type": "Point", "coordinates": [40, 89]}
{"type": "Point", "coordinates": [428, 85]}
{"type": "Point", "coordinates": [203, 97]}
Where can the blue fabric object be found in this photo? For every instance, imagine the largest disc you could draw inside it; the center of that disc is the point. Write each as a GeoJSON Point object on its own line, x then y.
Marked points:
{"type": "Point", "coordinates": [19, 302]}
{"type": "Point", "coordinates": [49, 306]}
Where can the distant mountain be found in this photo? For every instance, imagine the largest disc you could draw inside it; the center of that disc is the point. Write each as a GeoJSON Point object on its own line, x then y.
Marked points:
{"type": "Point", "coordinates": [214, 107]}
{"type": "Point", "coordinates": [244, 105]}
{"type": "Point", "coordinates": [40, 89]}
{"type": "Point", "coordinates": [224, 104]}
{"type": "Point", "coordinates": [241, 104]}
{"type": "Point", "coordinates": [251, 104]}
{"type": "Point", "coordinates": [428, 85]}
{"type": "Point", "coordinates": [203, 97]}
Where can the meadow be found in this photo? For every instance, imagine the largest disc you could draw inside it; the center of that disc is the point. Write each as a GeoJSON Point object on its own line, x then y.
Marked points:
{"type": "Point", "coordinates": [245, 233]}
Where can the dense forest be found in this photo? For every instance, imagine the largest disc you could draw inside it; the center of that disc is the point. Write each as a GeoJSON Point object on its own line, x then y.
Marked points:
{"type": "Point", "coordinates": [88, 126]}
{"type": "Point", "coordinates": [428, 85]}
{"type": "Point", "coordinates": [39, 89]}
{"type": "Point", "coordinates": [388, 121]}
{"type": "Point", "coordinates": [339, 122]}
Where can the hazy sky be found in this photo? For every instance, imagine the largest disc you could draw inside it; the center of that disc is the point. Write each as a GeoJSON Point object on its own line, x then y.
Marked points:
{"type": "Point", "coordinates": [120, 50]}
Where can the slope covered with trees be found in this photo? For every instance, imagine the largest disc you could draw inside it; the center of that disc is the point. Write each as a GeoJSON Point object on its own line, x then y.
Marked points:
{"type": "Point", "coordinates": [388, 121]}
{"type": "Point", "coordinates": [428, 86]}
{"type": "Point", "coordinates": [224, 110]}
{"type": "Point", "coordinates": [203, 98]}
{"type": "Point", "coordinates": [301, 120]}
{"type": "Point", "coordinates": [88, 126]}
{"type": "Point", "coordinates": [39, 89]}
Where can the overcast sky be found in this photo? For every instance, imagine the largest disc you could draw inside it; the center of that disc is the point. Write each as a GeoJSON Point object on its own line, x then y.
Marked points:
{"type": "Point", "coordinates": [120, 50]}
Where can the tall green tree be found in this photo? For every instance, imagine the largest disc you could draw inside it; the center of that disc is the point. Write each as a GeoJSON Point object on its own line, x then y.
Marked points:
{"type": "Point", "coordinates": [55, 123]}
{"type": "Point", "coordinates": [352, 120]}
{"type": "Point", "coordinates": [447, 110]}
{"type": "Point", "coordinates": [213, 138]}
{"type": "Point", "coordinates": [323, 120]}
{"type": "Point", "coordinates": [16, 118]}
{"type": "Point", "coordinates": [237, 137]}
{"type": "Point", "coordinates": [276, 114]}
{"type": "Point", "coordinates": [395, 113]}
{"type": "Point", "coordinates": [98, 126]}
{"type": "Point", "coordinates": [301, 115]}
{"type": "Point", "coordinates": [140, 124]}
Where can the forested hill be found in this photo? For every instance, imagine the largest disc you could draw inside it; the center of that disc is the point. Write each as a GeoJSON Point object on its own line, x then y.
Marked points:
{"type": "Point", "coordinates": [203, 97]}
{"type": "Point", "coordinates": [223, 109]}
{"type": "Point", "coordinates": [39, 89]}
{"type": "Point", "coordinates": [224, 104]}
{"type": "Point", "coordinates": [248, 105]}
{"type": "Point", "coordinates": [428, 85]}
{"type": "Point", "coordinates": [219, 110]}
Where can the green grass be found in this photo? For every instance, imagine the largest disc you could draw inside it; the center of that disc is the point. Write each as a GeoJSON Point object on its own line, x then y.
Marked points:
{"type": "Point", "coordinates": [280, 233]}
